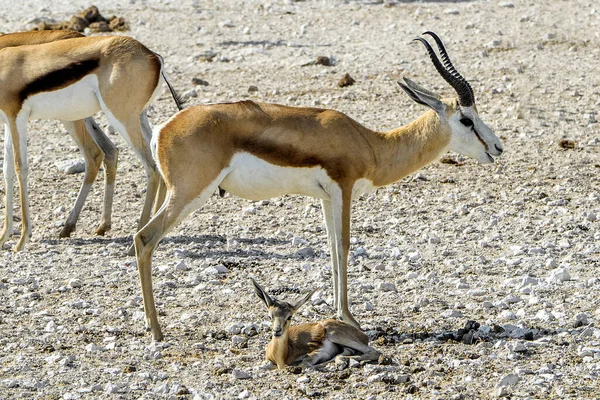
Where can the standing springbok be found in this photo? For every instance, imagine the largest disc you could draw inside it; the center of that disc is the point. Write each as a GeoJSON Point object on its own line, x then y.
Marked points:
{"type": "Point", "coordinates": [311, 343]}
{"type": "Point", "coordinates": [258, 151]}
{"type": "Point", "coordinates": [95, 146]}
{"type": "Point", "coordinates": [70, 80]}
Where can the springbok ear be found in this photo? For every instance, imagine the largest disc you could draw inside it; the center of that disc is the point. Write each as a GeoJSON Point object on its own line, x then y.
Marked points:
{"type": "Point", "coordinates": [423, 96]}
{"type": "Point", "coordinates": [262, 294]}
{"type": "Point", "coordinates": [304, 299]}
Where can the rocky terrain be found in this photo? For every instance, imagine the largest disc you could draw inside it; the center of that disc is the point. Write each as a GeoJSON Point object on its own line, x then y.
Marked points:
{"type": "Point", "coordinates": [475, 281]}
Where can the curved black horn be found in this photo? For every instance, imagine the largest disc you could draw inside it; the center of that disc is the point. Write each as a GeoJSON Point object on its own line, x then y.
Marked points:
{"type": "Point", "coordinates": [448, 64]}
{"type": "Point", "coordinates": [448, 72]}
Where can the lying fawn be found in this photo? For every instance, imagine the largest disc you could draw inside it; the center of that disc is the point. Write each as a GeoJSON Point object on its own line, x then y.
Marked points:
{"type": "Point", "coordinates": [311, 343]}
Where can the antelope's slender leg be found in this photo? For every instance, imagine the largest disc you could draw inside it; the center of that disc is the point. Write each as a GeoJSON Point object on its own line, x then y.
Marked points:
{"type": "Point", "coordinates": [93, 156]}
{"type": "Point", "coordinates": [341, 204]}
{"type": "Point", "coordinates": [175, 208]}
{"type": "Point", "coordinates": [331, 235]}
{"type": "Point", "coordinates": [9, 185]}
{"type": "Point", "coordinates": [111, 154]}
{"type": "Point", "coordinates": [19, 142]}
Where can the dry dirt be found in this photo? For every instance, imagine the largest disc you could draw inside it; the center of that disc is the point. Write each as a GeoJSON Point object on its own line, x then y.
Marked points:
{"type": "Point", "coordinates": [514, 246]}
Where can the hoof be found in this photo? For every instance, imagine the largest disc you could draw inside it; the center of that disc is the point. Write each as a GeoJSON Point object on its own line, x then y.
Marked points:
{"type": "Point", "coordinates": [102, 229]}
{"type": "Point", "coordinates": [66, 231]}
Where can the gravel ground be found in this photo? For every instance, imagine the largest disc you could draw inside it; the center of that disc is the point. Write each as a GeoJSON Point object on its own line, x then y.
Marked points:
{"type": "Point", "coordinates": [476, 281]}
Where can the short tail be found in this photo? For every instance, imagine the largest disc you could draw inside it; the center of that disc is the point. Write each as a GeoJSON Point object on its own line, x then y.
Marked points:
{"type": "Point", "coordinates": [178, 99]}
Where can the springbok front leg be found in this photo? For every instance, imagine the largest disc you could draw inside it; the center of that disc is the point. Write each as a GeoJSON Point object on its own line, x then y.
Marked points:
{"type": "Point", "coordinates": [329, 225]}
{"type": "Point", "coordinates": [341, 199]}
{"type": "Point", "coordinates": [9, 186]}
{"type": "Point", "coordinates": [17, 128]}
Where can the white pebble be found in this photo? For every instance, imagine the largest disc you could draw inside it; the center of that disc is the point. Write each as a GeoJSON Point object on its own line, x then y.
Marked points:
{"type": "Point", "coordinates": [74, 283]}
{"type": "Point", "coordinates": [508, 380]}
{"type": "Point", "coordinates": [240, 374]}
{"type": "Point", "coordinates": [452, 314]}
{"type": "Point", "coordinates": [558, 275]}
{"type": "Point", "coordinates": [508, 315]}
{"type": "Point", "coordinates": [544, 315]}
{"type": "Point", "coordinates": [387, 287]}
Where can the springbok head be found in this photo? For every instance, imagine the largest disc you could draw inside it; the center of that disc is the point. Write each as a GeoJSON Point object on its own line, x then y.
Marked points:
{"type": "Point", "coordinates": [470, 136]}
{"type": "Point", "coordinates": [280, 312]}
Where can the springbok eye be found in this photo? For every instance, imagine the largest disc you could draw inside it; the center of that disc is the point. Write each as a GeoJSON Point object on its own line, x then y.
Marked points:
{"type": "Point", "coordinates": [466, 121]}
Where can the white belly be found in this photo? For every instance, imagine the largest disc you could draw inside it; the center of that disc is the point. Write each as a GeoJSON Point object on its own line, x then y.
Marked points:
{"type": "Point", "coordinates": [74, 102]}
{"type": "Point", "coordinates": [253, 178]}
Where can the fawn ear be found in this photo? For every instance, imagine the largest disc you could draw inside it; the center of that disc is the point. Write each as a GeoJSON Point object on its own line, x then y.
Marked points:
{"type": "Point", "coordinates": [304, 299]}
{"type": "Point", "coordinates": [260, 292]}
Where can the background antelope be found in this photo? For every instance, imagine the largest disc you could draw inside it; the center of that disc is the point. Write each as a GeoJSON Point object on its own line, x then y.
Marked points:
{"type": "Point", "coordinates": [72, 79]}
{"type": "Point", "coordinates": [258, 151]}
{"type": "Point", "coordinates": [93, 143]}
{"type": "Point", "coordinates": [311, 343]}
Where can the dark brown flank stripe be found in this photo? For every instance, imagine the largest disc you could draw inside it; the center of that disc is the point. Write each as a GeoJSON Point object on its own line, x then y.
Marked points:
{"type": "Point", "coordinates": [289, 156]}
{"type": "Point", "coordinates": [60, 78]}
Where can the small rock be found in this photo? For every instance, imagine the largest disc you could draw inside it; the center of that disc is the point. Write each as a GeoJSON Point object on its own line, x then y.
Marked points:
{"type": "Point", "coordinates": [199, 82]}
{"type": "Point", "coordinates": [74, 283]}
{"type": "Point", "coordinates": [226, 24]}
{"type": "Point", "coordinates": [235, 328]}
{"type": "Point", "coordinates": [240, 374]}
{"type": "Point", "coordinates": [508, 315]}
{"type": "Point", "coordinates": [322, 60]}
{"type": "Point", "coordinates": [252, 89]}
{"type": "Point", "coordinates": [92, 348]}
{"type": "Point", "coordinates": [451, 12]}
{"type": "Point", "coordinates": [189, 94]}
{"type": "Point", "coordinates": [517, 347]}
{"type": "Point", "coordinates": [508, 380]}
{"type": "Point", "coordinates": [238, 340]}
{"type": "Point", "coordinates": [506, 4]}
{"type": "Point", "coordinates": [545, 316]}
{"type": "Point", "coordinates": [566, 144]}
{"type": "Point", "coordinates": [558, 275]}
{"type": "Point", "coordinates": [346, 80]}
{"type": "Point", "coordinates": [182, 266]}
{"type": "Point", "coordinates": [387, 287]}
{"type": "Point", "coordinates": [71, 167]}
{"type": "Point", "coordinates": [452, 314]}
{"type": "Point", "coordinates": [306, 252]}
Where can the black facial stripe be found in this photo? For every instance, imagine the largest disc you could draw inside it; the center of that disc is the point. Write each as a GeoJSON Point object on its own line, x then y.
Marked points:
{"type": "Point", "coordinates": [480, 138]}
{"type": "Point", "coordinates": [485, 145]}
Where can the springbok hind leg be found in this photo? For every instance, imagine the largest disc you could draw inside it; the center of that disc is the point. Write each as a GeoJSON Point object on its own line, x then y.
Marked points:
{"type": "Point", "coordinates": [111, 155]}
{"type": "Point", "coordinates": [93, 156]}
{"type": "Point", "coordinates": [175, 208]}
{"type": "Point", "coordinates": [130, 127]}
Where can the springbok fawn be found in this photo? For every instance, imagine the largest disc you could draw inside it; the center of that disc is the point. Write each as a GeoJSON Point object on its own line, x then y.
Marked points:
{"type": "Point", "coordinates": [95, 146]}
{"type": "Point", "coordinates": [72, 79]}
{"type": "Point", "coordinates": [259, 151]}
{"type": "Point", "coordinates": [311, 343]}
